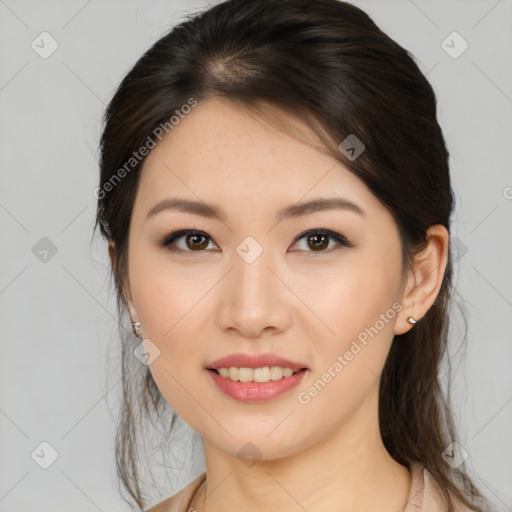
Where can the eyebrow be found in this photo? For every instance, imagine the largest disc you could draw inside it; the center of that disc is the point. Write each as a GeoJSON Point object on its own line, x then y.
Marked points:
{"type": "Point", "coordinates": [296, 210]}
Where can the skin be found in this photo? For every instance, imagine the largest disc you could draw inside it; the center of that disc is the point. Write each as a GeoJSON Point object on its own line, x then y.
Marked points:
{"type": "Point", "coordinates": [305, 305]}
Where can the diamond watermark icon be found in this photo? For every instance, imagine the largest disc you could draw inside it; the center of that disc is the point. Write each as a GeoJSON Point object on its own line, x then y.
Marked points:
{"type": "Point", "coordinates": [454, 455]}
{"type": "Point", "coordinates": [454, 45]}
{"type": "Point", "coordinates": [146, 352]}
{"type": "Point", "coordinates": [44, 455]}
{"type": "Point", "coordinates": [44, 45]}
{"type": "Point", "coordinates": [44, 250]}
{"type": "Point", "coordinates": [249, 250]}
{"type": "Point", "coordinates": [351, 147]}
{"type": "Point", "coordinates": [249, 454]}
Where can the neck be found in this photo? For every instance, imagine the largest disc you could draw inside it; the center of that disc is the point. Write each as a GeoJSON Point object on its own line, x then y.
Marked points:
{"type": "Point", "coordinates": [348, 470]}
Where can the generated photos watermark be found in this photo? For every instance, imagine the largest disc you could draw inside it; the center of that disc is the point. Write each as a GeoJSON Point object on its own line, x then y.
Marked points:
{"type": "Point", "coordinates": [357, 345]}
{"type": "Point", "coordinates": [143, 151]}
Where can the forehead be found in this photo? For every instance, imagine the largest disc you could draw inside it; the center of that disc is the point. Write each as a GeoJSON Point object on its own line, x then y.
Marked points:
{"type": "Point", "coordinates": [223, 134]}
{"type": "Point", "coordinates": [224, 152]}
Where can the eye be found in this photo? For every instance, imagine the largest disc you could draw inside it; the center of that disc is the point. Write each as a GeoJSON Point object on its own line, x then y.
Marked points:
{"type": "Point", "coordinates": [318, 239]}
{"type": "Point", "coordinates": [193, 241]}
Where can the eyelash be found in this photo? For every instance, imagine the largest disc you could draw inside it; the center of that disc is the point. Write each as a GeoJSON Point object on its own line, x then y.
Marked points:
{"type": "Point", "coordinates": [169, 239]}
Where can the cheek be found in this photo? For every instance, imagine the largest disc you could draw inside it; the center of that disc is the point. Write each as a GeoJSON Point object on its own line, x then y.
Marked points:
{"type": "Point", "coordinates": [357, 305]}
{"type": "Point", "coordinates": [167, 295]}
{"type": "Point", "coordinates": [358, 308]}
{"type": "Point", "coordinates": [172, 301]}
{"type": "Point", "coordinates": [350, 296]}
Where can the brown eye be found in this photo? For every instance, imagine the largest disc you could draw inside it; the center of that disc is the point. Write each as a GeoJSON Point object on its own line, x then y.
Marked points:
{"type": "Point", "coordinates": [318, 240]}
{"type": "Point", "coordinates": [186, 240]}
{"type": "Point", "coordinates": [196, 242]}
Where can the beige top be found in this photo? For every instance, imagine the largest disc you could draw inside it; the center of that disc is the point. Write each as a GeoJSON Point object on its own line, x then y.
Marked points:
{"type": "Point", "coordinates": [424, 496]}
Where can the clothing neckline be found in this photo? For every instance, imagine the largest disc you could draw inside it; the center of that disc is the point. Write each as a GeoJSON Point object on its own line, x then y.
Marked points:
{"type": "Point", "coordinates": [425, 495]}
{"type": "Point", "coordinates": [196, 491]}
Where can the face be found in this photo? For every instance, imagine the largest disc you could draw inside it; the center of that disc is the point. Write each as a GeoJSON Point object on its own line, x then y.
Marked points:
{"type": "Point", "coordinates": [252, 281]}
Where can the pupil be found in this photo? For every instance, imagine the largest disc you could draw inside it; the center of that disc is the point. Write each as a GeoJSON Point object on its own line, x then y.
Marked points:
{"type": "Point", "coordinates": [194, 238]}
{"type": "Point", "coordinates": [314, 238]}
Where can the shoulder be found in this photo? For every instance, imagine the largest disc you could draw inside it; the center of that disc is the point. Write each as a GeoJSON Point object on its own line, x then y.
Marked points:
{"type": "Point", "coordinates": [425, 494]}
{"type": "Point", "coordinates": [179, 502]}
{"type": "Point", "coordinates": [433, 499]}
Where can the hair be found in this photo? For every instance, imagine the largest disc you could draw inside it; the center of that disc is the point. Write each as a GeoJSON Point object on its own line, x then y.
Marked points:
{"type": "Point", "coordinates": [328, 64]}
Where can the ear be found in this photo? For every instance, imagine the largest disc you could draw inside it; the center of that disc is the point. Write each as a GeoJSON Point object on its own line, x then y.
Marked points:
{"type": "Point", "coordinates": [425, 278]}
{"type": "Point", "coordinates": [126, 289]}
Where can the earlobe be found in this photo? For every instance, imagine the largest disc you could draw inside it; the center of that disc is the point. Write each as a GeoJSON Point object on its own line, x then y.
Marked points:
{"type": "Point", "coordinates": [424, 279]}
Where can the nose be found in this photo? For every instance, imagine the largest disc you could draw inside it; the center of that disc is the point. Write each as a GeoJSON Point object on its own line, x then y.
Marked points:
{"type": "Point", "coordinates": [253, 299]}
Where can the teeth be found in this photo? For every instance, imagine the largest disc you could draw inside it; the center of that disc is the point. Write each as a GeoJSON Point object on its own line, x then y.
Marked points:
{"type": "Point", "coordinates": [264, 374]}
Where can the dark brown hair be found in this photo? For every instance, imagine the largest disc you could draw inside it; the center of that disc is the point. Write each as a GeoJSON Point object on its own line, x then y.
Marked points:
{"type": "Point", "coordinates": [327, 63]}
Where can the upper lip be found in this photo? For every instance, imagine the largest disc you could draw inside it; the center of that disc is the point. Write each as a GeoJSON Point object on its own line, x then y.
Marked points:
{"type": "Point", "coordinates": [242, 360]}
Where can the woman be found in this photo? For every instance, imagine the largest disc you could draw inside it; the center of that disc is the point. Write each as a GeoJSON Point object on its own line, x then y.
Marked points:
{"type": "Point", "coordinates": [276, 196]}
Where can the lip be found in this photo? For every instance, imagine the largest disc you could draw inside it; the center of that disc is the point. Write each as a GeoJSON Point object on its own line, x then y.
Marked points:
{"type": "Point", "coordinates": [242, 360]}
{"type": "Point", "coordinates": [255, 392]}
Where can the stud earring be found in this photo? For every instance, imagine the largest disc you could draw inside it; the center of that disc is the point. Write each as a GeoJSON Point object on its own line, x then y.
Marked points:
{"type": "Point", "coordinates": [136, 329]}
{"type": "Point", "coordinates": [412, 320]}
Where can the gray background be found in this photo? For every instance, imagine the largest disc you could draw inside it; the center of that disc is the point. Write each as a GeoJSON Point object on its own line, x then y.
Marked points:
{"type": "Point", "coordinates": [59, 367]}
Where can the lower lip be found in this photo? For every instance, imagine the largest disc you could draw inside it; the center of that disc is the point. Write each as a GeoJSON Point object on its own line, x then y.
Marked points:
{"type": "Point", "coordinates": [256, 392]}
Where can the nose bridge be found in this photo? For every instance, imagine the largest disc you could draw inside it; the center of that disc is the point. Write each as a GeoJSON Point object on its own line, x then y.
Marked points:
{"type": "Point", "coordinates": [252, 299]}
{"type": "Point", "coordinates": [251, 274]}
